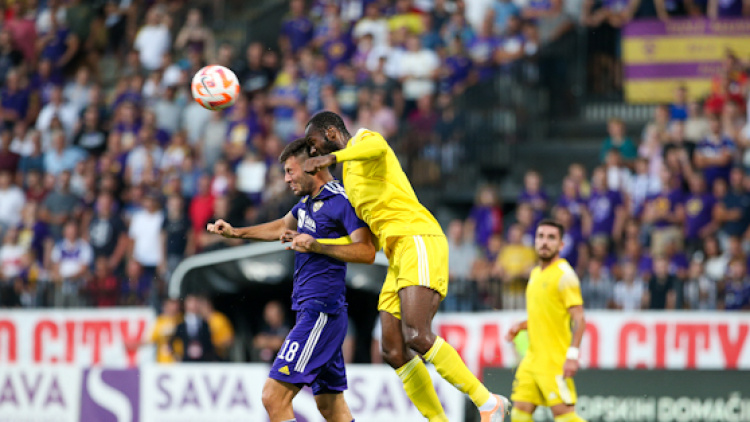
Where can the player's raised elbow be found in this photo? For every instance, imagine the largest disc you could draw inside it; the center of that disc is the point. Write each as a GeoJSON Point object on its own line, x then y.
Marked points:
{"type": "Point", "coordinates": [369, 256]}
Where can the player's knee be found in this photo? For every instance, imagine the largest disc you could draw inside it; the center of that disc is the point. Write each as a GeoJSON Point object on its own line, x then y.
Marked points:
{"type": "Point", "coordinates": [271, 401]}
{"type": "Point", "coordinates": [418, 339]}
{"type": "Point", "coordinates": [326, 408]}
{"type": "Point", "coordinates": [393, 356]}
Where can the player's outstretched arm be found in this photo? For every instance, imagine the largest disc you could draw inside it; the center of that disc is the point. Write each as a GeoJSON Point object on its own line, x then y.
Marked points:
{"type": "Point", "coordinates": [268, 232]}
{"type": "Point", "coordinates": [367, 147]}
{"type": "Point", "coordinates": [361, 250]}
{"type": "Point", "coordinates": [514, 330]}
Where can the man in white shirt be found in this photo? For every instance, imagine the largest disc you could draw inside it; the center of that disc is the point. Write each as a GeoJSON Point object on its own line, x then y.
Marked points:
{"type": "Point", "coordinates": [373, 24]}
{"type": "Point", "coordinates": [145, 235]}
{"type": "Point", "coordinates": [419, 68]}
{"type": "Point", "coordinates": [628, 292]}
{"type": "Point", "coordinates": [71, 259]}
{"type": "Point", "coordinates": [152, 40]}
{"type": "Point", "coordinates": [12, 200]}
{"type": "Point", "coordinates": [66, 112]}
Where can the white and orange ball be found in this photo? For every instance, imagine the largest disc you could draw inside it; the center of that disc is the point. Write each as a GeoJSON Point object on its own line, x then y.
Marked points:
{"type": "Point", "coordinates": [215, 87]}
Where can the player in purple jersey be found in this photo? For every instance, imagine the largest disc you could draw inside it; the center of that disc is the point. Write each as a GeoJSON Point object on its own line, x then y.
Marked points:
{"type": "Point", "coordinates": [325, 233]}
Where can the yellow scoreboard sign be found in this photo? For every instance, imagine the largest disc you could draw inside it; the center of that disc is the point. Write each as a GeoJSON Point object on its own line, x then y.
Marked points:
{"type": "Point", "coordinates": [658, 56]}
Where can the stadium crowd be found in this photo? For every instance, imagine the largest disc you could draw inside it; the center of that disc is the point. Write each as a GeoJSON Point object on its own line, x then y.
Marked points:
{"type": "Point", "coordinates": [109, 171]}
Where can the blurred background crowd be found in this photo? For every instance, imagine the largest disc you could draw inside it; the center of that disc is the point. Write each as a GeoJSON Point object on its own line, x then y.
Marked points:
{"type": "Point", "coordinates": [109, 171]}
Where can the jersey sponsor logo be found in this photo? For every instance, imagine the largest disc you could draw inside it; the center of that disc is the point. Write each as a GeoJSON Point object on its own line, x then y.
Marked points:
{"type": "Point", "coordinates": [317, 205]}
{"type": "Point", "coordinates": [284, 370]}
{"type": "Point", "coordinates": [305, 222]}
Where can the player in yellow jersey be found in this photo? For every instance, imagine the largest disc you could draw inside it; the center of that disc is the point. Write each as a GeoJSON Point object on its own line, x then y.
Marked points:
{"type": "Point", "coordinates": [417, 253]}
{"type": "Point", "coordinates": [555, 326]}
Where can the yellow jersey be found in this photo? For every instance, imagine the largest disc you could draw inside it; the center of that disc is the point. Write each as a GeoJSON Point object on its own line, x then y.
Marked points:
{"type": "Point", "coordinates": [161, 334]}
{"type": "Point", "coordinates": [549, 295]}
{"type": "Point", "coordinates": [221, 331]}
{"type": "Point", "coordinates": [380, 192]}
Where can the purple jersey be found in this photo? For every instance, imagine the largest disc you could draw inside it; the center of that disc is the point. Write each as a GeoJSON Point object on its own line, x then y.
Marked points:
{"type": "Point", "coordinates": [571, 241]}
{"type": "Point", "coordinates": [737, 295]}
{"type": "Point", "coordinates": [482, 52]}
{"type": "Point", "coordinates": [532, 199]}
{"type": "Point", "coordinates": [665, 202]}
{"type": "Point", "coordinates": [602, 206]}
{"type": "Point", "coordinates": [459, 67]}
{"type": "Point", "coordinates": [698, 208]}
{"type": "Point", "coordinates": [299, 32]}
{"type": "Point", "coordinates": [487, 221]}
{"type": "Point", "coordinates": [730, 8]}
{"type": "Point", "coordinates": [319, 280]}
{"type": "Point", "coordinates": [677, 263]}
{"type": "Point", "coordinates": [714, 149]}
{"type": "Point", "coordinates": [337, 51]}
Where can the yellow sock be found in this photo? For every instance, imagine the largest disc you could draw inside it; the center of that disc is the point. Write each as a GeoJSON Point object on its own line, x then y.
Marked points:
{"type": "Point", "coordinates": [569, 417]}
{"type": "Point", "coordinates": [418, 386]}
{"type": "Point", "coordinates": [450, 366]}
{"type": "Point", "coordinates": [517, 415]}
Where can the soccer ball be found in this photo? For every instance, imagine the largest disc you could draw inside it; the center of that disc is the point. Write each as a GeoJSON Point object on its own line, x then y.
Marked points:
{"type": "Point", "coordinates": [215, 87]}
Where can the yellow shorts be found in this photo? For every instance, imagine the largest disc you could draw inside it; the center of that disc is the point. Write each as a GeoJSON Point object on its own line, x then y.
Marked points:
{"type": "Point", "coordinates": [414, 261]}
{"type": "Point", "coordinates": [542, 388]}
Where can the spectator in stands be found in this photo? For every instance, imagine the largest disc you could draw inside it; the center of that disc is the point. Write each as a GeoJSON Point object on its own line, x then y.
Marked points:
{"type": "Point", "coordinates": [196, 36]}
{"type": "Point", "coordinates": [574, 248]}
{"type": "Point", "coordinates": [71, 258]}
{"type": "Point", "coordinates": [107, 233]}
{"type": "Point", "coordinates": [728, 9]}
{"type": "Point", "coordinates": [619, 140]}
{"type": "Point", "coordinates": [533, 194]}
{"type": "Point", "coordinates": [462, 255]}
{"type": "Point", "coordinates": [192, 338]}
{"type": "Point", "coordinates": [103, 290]}
{"type": "Point", "coordinates": [732, 210]}
{"type": "Point", "coordinates": [9, 160]}
{"type": "Point", "coordinates": [418, 72]}
{"type": "Point", "coordinates": [597, 286]}
{"type": "Point", "coordinates": [697, 210]}
{"type": "Point", "coordinates": [606, 213]}
{"type": "Point", "coordinates": [152, 40]}
{"type": "Point", "coordinates": [699, 291]}
{"type": "Point", "coordinates": [12, 200]}
{"type": "Point", "coordinates": [628, 291]}
{"type": "Point", "coordinates": [222, 333]}
{"type": "Point", "coordinates": [162, 332]}
{"type": "Point", "coordinates": [176, 235]}
{"type": "Point", "coordinates": [373, 24]}
{"type": "Point", "coordinates": [618, 174]}
{"type": "Point", "coordinates": [661, 213]}
{"type": "Point", "coordinates": [714, 154]}
{"type": "Point", "coordinates": [486, 215]}
{"type": "Point", "coordinates": [662, 287]}
{"type": "Point", "coordinates": [14, 100]}
{"type": "Point", "coordinates": [145, 235]}
{"type": "Point", "coordinates": [513, 266]}
{"type": "Point", "coordinates": [60, 205]}
{"type": "Point", "coordinates": [268, 341]}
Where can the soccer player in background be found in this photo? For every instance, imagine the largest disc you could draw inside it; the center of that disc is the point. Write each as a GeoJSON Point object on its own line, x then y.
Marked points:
{"type": "Point", "coordinates": [417, 252]}
{"type": "Point", "coordinates": [553, 300]}
{"type": "Point", "coordinates": [325, 232]}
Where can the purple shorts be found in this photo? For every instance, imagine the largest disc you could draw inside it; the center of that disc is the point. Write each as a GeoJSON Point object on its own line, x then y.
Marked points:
{"type": "Point", "coordinates": [311, 354]}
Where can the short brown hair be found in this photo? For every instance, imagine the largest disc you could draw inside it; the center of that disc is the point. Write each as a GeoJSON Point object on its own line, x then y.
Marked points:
{"type": "Point", "coordinates": [554, 223]}
{"type": "Point", "coordinates": [297, 148]}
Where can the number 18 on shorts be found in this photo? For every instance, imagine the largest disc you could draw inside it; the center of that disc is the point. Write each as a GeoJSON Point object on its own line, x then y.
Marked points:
{"type": "Point", "coordinates": [311, 354]}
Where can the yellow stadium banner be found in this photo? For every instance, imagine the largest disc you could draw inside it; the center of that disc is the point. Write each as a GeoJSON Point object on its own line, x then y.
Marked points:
{"type": "Point", "coordinates": [660, 56]}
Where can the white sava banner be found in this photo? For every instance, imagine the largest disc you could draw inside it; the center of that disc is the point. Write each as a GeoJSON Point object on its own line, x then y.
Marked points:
{"type": "Point", "coordinates": [39, 393]}
{"type": "Point", "coordinates": [80, 337]}
{"type": "Point", "coordinates": [232, 392]}
{"type": "Point", "coordinates": [670, 340]}
{"type": "Point", "coordinates": [186, 393]}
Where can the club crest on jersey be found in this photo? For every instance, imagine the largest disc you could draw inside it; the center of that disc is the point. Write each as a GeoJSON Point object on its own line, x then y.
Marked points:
{"type": "Point", "coordinates": [317, 205]}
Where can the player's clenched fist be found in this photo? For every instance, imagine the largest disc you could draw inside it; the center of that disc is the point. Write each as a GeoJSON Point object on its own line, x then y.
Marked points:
{"type": "Point", "coordinates": [305, 243]}
{"type": "Point", "coordinates": [222, 228]}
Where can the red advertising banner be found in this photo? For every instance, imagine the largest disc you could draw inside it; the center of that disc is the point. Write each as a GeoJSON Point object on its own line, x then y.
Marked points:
{"type": "Point", "coordinates": [81, 337]}
{"type": "Point", "coordinates": [615, 340]}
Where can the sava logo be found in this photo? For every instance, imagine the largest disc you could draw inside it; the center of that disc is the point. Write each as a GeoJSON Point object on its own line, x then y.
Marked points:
{"type": "Point", "coordinates": [305, 222]}
{"type": "Point", "coordinates": [110, 396]}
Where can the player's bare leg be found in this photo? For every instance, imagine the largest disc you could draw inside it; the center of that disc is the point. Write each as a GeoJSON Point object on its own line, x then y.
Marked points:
{"type": "Point", "coordinates": [410, 368]}
{"type": "Point", "coordinates": [565, 413]}
{"type": "Point", "coordinates": [277, 399]}
{"type": "Point", "coordinates": [333, 407]}
{"type": "Point", "coordinates": [522, 412]}
{"type": "Point", "coordinates": [419, 305]}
